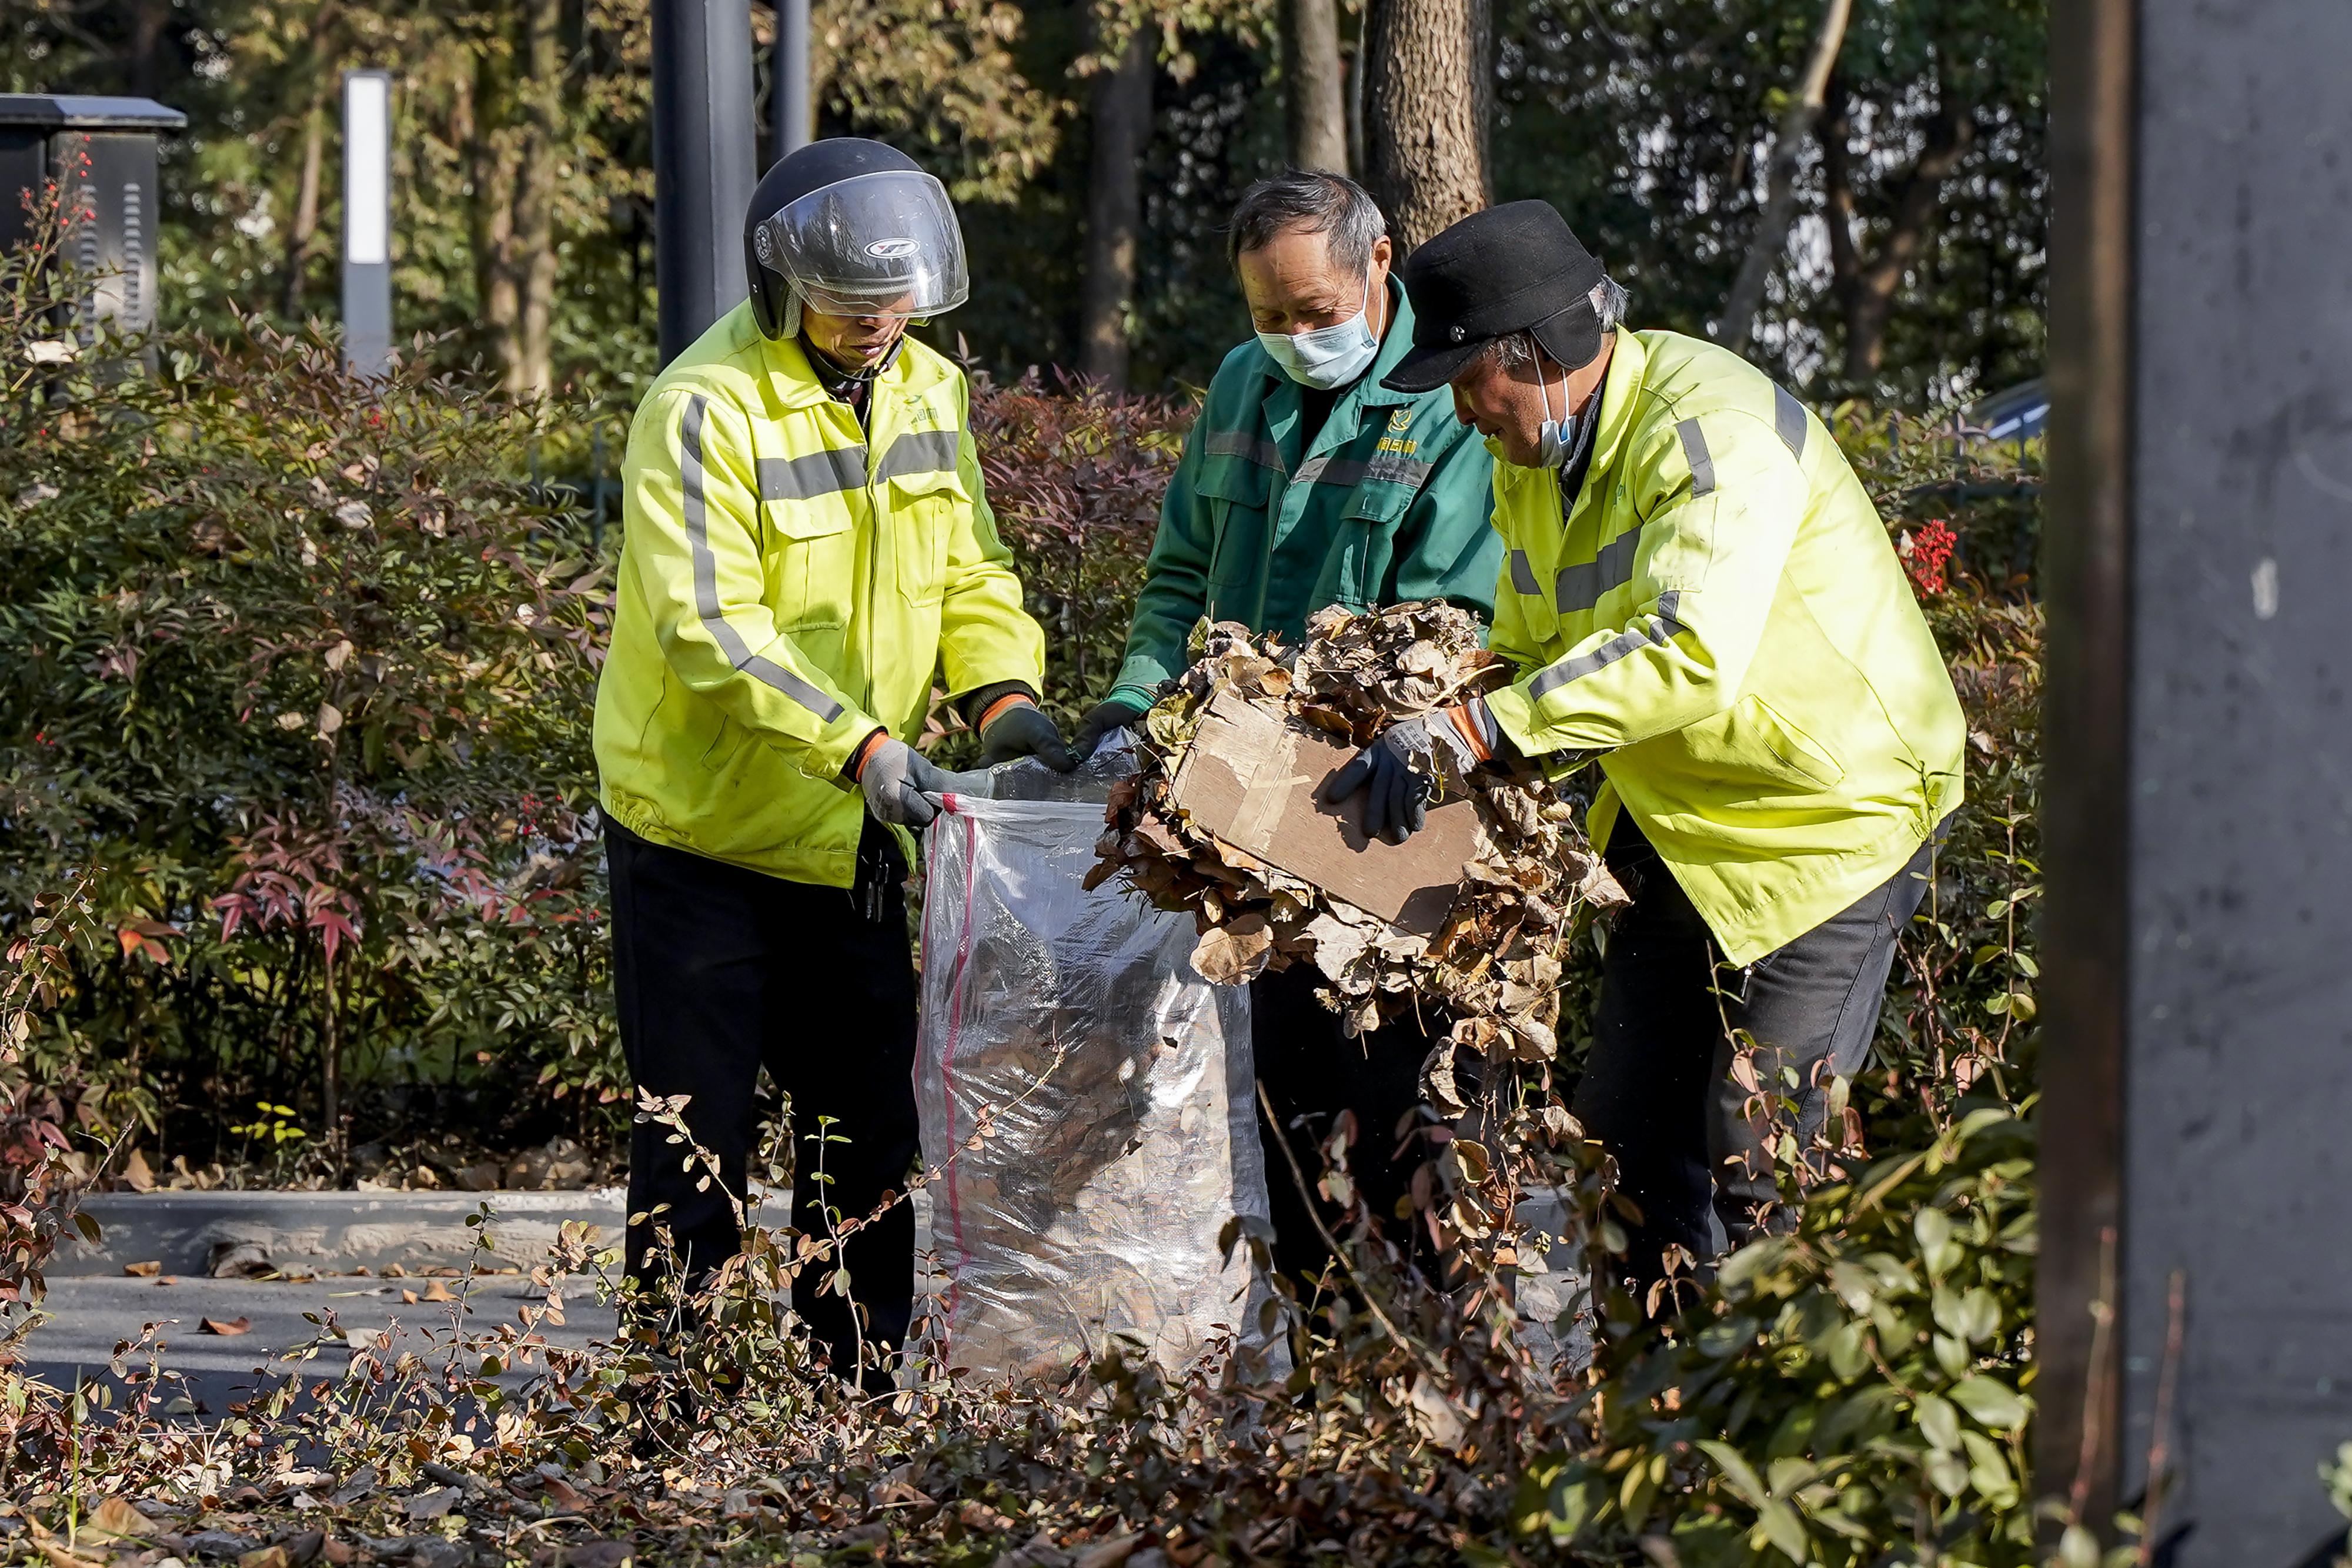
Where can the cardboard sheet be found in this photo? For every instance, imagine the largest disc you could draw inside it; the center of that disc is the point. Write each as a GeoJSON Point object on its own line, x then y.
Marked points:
{"type": "Point", "coordinates": [1252, 780]}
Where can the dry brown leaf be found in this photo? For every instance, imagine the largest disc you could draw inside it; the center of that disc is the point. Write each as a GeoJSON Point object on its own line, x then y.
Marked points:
{"type": "Point", "coordinates": [143, 1270]}
{"type": "Point", "coordinates": [114, 1519]}
{"type": "Point", "coordinates": [1354, 675]}
{"type": "Point", "coordinates": [225, 1325]}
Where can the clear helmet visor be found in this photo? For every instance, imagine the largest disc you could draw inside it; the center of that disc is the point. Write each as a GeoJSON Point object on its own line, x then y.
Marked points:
{"type": "Point", "coordinates": [885, 244]}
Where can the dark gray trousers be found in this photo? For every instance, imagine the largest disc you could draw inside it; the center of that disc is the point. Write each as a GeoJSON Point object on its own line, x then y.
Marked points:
{"type": "Point", "coordinates": [1660, 1091]}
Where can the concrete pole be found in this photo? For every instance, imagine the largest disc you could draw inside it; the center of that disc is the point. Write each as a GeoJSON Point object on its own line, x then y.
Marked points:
{"type": "Point", "coordinates": [2195, 1301]}
{"type": "Point", "coordinates": [704, 152]}
{"type": "Point", "coordinates": [793, 97]}
{"type": "Point", "coordinates": [367, 222]}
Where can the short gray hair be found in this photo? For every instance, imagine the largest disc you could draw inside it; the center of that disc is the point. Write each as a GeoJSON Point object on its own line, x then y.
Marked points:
{"type": "Point", "coordinates": [1609, 302]}
{"type": "Point", "coordinates": [1308, 201]}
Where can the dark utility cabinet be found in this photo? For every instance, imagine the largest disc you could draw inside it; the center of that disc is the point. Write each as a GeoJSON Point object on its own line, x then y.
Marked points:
{"type": "Point", "coordinates": [102, 150]}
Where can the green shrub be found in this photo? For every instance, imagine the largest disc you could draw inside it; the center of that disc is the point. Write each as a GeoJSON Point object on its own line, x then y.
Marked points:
{"type": "Point", "coordinates": [297, 672]}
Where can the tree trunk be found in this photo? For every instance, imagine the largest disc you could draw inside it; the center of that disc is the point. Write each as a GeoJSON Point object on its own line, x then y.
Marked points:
{"type": "Point", "coordinates": [306, 200]}
{"type": "Point", "coordinates": [1796, 123]}
{"type": "Point", "coordinates": [1865, 288]}
{"type": "Point", "coordinates": [1121, 126]}
{"type": "Point", "coordinates": [497, 172]}
{"type": "Point", "coordinates": [299, 232]}
{"type": "Point", "coordinates": [1429, 93]}
{"type": "Point", "coordinates": [532, 373]}
{"type": "Point", "coordinates": [143, 70]}
{"type": "Point", "coordinates": [1314, 98]}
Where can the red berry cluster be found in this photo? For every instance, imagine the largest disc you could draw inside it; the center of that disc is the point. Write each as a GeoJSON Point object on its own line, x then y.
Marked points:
{"type": "Point", "coordinates": [1925, 554]}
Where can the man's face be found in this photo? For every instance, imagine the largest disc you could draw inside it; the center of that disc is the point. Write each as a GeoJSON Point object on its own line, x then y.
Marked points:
{"type": "Point", "coordinates": [1507, 403]}
{"type": "Point", "coordinates": [855, 335]}
{"type": "Point", "coordinates": [1293, 285]}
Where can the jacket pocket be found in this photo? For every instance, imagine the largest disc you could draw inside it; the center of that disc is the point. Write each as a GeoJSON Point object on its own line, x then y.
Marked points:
{"type": "Point", "coordinates": [1238, 492]}
{"type": "Point", "coordinates": [814, 563]}
{"type": "Point", "coordinates": [925, 509]}
{"type": "Point", "coordinates": [1797, 751]}
{"type": "Point", "coordinates": [1753, 752]}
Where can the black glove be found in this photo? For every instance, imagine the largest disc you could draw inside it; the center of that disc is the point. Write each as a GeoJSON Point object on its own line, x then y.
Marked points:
{"type": "Point", "coordinates": [896, 778]}
{"type": "Point", "coordinates": [1412, 760]}
{"type": "Point", "coordinates": [1100, 720]}
{"type": "Point", "coordinates": [1021, 729]}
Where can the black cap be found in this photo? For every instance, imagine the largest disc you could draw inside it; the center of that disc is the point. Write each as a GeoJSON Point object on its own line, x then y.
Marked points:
{"type": "Point", "coordinates": [1513, 269]}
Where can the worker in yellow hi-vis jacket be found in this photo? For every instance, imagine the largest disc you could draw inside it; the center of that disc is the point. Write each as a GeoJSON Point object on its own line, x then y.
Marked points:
{"type": "Point", "coordinates": [807, 547]}
{"type": "Point", "coordinates": [1697, 588]}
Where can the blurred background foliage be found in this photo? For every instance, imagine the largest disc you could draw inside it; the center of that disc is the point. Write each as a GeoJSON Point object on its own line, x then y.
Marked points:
{"type": "Point", "coordinates": [1913, 275]}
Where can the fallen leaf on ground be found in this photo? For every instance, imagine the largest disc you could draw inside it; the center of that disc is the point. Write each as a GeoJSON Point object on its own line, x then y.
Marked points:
{"type": "Point", "coordinates": [437, 1291]}
{"type": "Point", "coordinates": [431, 1504]}
{"type": "Point", "coordinates": [226, 1325]}
{"type": "Point", "coordinates": [143, 1270]}
{"type": "Point", "coordinates": [1109, 1553]}
{"type": "Point", "coordinates": [115, 1520]}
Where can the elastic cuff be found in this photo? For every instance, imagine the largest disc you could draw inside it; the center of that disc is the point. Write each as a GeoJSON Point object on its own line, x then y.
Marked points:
{"type": "Point", "coordinates": [857, 763]}
{"type": "Point", "coordinates": [1138, 697]}
{"type": "Point", "coordinates": [972, 704]}
{"type": "Point", "coordinates": [1477, 727]}
{"type": "Point", "coordinates": [1010, 700]}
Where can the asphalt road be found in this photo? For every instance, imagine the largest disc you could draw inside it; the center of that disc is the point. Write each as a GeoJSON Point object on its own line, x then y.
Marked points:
{"type": "Point", "coordinates": [89, 1315]}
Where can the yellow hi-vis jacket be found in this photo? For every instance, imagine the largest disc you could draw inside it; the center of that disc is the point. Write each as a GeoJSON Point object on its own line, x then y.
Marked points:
{"type": "Point", "coordinates": [787, 585]}
{"type": "Point", "coordinates": [1722, 610]}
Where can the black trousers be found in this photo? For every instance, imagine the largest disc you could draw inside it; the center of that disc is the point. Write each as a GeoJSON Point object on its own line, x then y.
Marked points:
{"type": "Point", "coordinates": [1660, 1092]}
{"type": "Point", "coordinates": [1312, 1072]}
{"type": "Point", "coordinates": [721, 971]}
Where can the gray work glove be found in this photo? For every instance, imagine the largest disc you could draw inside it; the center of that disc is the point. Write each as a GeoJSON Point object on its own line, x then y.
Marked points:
{"type": "Point", "coordinates": [1021, 729]}
{"type": "Point", "coordinates": [1399, 770]}
{"type": "Point", "coordinates": [896, 778]}
{"type": "Point", "coordinates": [1100, 720]}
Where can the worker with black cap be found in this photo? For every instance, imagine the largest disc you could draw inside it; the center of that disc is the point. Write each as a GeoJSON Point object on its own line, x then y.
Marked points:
{"type": "Point", "coordinates": [1698, 590]}
{"type": "Point", "coordinates": [808, 548]}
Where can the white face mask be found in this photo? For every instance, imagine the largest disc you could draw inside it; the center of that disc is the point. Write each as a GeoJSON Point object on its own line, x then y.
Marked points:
{"type": "Point", "coordinates": [1327, 357]}
{"type": "Point", "coordinates": [1559, 439]}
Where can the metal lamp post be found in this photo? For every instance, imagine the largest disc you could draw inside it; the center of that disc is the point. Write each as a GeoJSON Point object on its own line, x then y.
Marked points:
{"type": "Point", "coordinates": [367, 222]}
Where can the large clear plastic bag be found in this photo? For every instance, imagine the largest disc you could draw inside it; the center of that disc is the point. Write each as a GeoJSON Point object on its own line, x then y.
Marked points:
{"type": "Point", "coordinates": [1089, 1096]}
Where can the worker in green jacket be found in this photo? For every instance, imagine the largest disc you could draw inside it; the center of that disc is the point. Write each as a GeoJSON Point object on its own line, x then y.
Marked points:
{"type": "Point", "coordinates": [1307, 482]}
{"type": "Point", "coordinates": [1698, 588]}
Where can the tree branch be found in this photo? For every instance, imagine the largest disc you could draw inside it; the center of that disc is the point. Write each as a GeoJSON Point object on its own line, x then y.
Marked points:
{"type": "Point", "coordinates": [1797, 122]}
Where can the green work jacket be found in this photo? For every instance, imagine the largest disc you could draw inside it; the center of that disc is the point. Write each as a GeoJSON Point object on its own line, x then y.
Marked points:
{"type": "Point", "coordinates": [1721, 610]}
{"type": "Point", "coordinates": [789, 582]}
{"type": "Point", "coordinates": [1388, 503]}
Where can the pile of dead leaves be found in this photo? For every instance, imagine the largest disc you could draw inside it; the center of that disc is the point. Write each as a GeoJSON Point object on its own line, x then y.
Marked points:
{"type": "Point", "coordinates": [1491, 965]}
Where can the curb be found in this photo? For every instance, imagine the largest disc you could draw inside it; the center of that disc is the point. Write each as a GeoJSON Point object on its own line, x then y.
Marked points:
{"type": "Point", "coordinates": [330, 1232]}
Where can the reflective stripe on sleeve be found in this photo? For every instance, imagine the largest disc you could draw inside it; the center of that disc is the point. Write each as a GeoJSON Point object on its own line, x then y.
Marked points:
{"type": "Point", "coordinates": [1789, 419]}
{"type": "Point", "coordinates": [1242, 444]}
{"type": "Point", "coordinates": [1658, 630]}
{"type": "Point", "coordinates": [706, 579]}
{"type": "Point", "coordinates": [921, 452]}
{"type": "Point", "coordinates": [817, 474]}
{"type": "Point", "coordinates": [1579, 587]}
{"type": "Point", "coordinates": [1523, 574]}
{"type": "Point", "coordinates": [1702, 466]}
